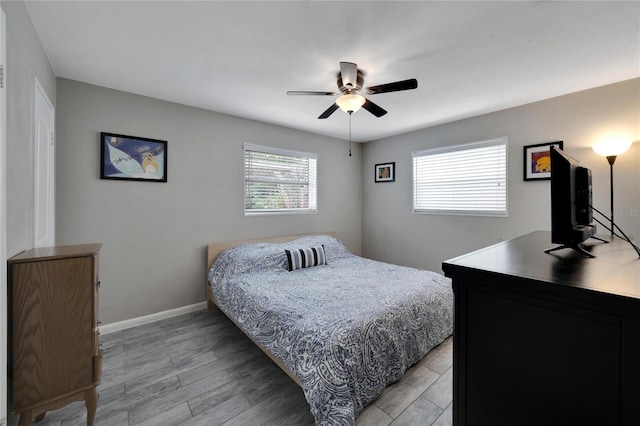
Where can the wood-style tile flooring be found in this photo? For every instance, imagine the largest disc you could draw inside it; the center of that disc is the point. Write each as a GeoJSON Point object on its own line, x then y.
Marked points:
{"type": "Point", "coordinates": [199, 369]}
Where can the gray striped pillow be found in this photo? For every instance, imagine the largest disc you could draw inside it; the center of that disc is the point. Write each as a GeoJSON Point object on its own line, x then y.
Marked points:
{"type": "Point", "coordinates": [306, 257]}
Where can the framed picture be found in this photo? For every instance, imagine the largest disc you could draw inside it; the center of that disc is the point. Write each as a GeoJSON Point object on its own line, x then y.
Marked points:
{"type": "Point", "coordinates": [385, 172]}
{"type": "Point", "coordinates": [132, 158]}
{"type": "Point", "coordinates": [537, 160]}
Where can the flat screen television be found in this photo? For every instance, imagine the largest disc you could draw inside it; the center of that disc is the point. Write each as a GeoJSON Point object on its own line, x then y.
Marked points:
{"type": "Point", "coordinates": [571, 217]}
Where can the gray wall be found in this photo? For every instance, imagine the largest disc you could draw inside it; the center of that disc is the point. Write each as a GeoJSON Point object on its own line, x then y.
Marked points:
{"type": "Point", "coordinates": [25, 62]}
{"type": "Point", "coordinates": [392, 233]}
{"type": "Point", "coordinates": [154, 234]}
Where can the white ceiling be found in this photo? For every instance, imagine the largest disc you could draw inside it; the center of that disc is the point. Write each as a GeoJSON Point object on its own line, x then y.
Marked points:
{"type": "Point", "coordinates": [240, 57]}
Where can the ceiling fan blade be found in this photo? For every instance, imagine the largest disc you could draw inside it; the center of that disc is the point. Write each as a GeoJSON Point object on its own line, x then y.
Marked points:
{"type": "Point", "coordinates": [397, 86]}
{"type": "Point", "coordinates": [374, 109]}
{"type": "Point", "coordinates": [329, 111]}
{"type": "Point", "coordinates": [349, 74]}
{"type": "Point", "coordinates": [306, 92]}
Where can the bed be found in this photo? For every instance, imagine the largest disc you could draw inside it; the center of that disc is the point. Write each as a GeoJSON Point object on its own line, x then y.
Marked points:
{"type": "Point", "coordinates": [341, 326]}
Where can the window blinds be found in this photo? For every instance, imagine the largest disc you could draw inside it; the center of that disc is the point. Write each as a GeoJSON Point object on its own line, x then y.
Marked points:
{"type": "Point", "coordinates": [278, 180]}
{"type": "Point", "coordinates": [467, 179]}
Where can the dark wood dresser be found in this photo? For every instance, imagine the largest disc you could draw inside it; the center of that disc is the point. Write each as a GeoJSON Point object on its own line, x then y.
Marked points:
{"type": "Point", "coordinates": [53, 313]}
{"type": "Point", "coordinates": [546, 339]}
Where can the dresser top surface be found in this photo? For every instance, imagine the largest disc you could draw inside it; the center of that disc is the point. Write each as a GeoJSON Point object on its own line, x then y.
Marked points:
{"type": "Point", "coordinates": [56, 252]}
{"type": "Point", "coordinates": [615, 270]}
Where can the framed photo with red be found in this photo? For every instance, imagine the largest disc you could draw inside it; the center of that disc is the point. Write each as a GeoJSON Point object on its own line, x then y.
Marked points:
{"type": "Point", "coordinates": [537, 160]}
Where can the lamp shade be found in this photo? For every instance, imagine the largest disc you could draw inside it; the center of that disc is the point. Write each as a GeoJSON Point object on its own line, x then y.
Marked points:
{"type": "Point", "coordinates": [350, 103]}
{"type": "Point", "coordinates": [611, 147]}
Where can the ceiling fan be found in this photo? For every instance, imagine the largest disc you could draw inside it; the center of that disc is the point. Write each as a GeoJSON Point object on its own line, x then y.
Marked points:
{"type": "Point", "coordinates": [350, 82]}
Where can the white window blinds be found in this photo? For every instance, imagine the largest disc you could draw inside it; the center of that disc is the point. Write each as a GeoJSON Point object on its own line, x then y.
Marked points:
{"type": "Point", "coordinates": [279, 180]}
{"type": "Point", "coordinates": [466, 179]}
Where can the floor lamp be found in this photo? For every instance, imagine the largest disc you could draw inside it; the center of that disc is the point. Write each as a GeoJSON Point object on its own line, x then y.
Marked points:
{"type": "Point", "coordinates": [611, 149]}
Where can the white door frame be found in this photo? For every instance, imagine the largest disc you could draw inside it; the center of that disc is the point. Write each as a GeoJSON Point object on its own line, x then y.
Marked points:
{"type": "Point", "coordinates": [43, 209]}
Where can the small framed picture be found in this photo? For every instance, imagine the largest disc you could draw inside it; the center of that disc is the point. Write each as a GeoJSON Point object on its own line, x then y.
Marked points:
{"type": "Point", "coordinates": [385, 172]}
{"type": "Point", "coordinates": [537, 160]}
{"type": "Point", "coordinates": [132, 158]}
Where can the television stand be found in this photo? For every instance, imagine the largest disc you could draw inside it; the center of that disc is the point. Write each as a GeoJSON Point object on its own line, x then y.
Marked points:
{"type": "Point", "coordinates": [579, 247]}
{"type": "Point", "coordinates": [542, 340]}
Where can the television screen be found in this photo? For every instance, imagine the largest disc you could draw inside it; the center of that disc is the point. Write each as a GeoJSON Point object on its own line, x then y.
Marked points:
{"type": "Point", "coordinates": [571, 217]}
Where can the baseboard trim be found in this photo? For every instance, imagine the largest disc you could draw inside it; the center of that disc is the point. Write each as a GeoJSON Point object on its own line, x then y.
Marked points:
{"type": "Point", "coordinates": [134, 322]}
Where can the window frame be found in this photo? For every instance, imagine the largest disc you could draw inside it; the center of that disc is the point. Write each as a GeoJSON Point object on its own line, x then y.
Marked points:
{"type": "Point", "coordinates": [503, 141]}
{"type": "Point", "coordinates": [312, 182]}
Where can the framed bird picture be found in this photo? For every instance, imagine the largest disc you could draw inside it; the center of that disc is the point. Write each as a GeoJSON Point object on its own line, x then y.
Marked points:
{"type": "Point", "coordinates": [132, 158]}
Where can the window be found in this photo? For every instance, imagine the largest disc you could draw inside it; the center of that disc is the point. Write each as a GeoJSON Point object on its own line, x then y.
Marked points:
{"type": "Point", "coordinates": [466, 179]}
{"type": "Point", "coordinates": [278, 181]}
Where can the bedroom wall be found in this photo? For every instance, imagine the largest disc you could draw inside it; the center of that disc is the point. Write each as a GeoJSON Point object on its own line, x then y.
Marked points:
{"type": "Point", "coordinates": [392, 233]}
{"type": "Point", "coordinates": [26, 61]}
{"type": "Point", "coordinates": [154, 234]}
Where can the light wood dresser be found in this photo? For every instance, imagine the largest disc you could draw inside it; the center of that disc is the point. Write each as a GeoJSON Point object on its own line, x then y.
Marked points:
{"type": "Point", "coordinates": [54, 337]}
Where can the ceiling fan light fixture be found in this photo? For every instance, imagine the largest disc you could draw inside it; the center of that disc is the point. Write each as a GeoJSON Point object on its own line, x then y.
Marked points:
{"type": "Point", "coordinates": [350, 81]}
{"type": "Point", "coordinates": [350, 103]}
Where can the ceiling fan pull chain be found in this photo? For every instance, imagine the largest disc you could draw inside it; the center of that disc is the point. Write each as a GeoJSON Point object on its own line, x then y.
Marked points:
{"type": "Point", "coordinates": [350, 113]}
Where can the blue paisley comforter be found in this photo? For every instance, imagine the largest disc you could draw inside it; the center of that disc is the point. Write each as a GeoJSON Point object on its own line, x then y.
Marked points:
{"type": "Point", "coordinates": [346, 329]}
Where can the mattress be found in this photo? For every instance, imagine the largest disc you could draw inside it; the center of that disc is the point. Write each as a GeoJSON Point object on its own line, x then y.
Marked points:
{"type": "Point", "coordinates": [346, 329]}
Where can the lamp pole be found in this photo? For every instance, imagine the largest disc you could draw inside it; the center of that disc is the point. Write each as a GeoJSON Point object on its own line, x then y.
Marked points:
{"type": "Point", "coordinates": [611, 148]}
{"type": "Point", "coordinates": [611, 159]}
